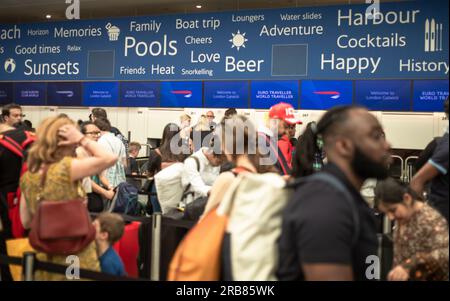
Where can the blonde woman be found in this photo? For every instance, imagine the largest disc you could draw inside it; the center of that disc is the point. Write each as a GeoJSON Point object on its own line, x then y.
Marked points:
{"type": "Point", "coordinates": [185, 126]}
{"type": "Point", "coordinates": [201, 135]}
{"type": "Point", "coordinates": [185, 130]}
{"type": "Point", "coordinates": [54, 152]}
{"type": "Point", "coordinates": [203, 124]}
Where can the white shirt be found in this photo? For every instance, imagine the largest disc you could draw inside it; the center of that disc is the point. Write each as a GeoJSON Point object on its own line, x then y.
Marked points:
{"type": "Point", "coordinates": [168, 187]}
{"type": "Point", "coordinates": [116, 173]}
{"type": "Point", "coordinates": [202, 178]}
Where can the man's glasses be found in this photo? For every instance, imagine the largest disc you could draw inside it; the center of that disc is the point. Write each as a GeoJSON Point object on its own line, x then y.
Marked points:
{"type": "Point", "coordinates": [210, 116]}
{"type": "Point", "coordinates": [96, 133]}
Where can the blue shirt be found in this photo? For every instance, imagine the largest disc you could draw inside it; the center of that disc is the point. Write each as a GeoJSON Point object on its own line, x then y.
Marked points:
{"type": "Point", "coordinates": [116, 173]}
{"type": "Point", "coordinates": [111, 263]}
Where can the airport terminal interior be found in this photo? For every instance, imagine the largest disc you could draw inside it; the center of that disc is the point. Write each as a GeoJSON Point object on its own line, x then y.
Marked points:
{"type": "Point", "coordinates": [224, 140]}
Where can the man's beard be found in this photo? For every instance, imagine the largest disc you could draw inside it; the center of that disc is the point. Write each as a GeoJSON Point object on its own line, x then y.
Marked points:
{"type": "Point", "coordinates": [366, 168]}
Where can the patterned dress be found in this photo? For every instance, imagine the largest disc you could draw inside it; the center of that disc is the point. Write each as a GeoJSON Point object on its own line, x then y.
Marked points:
{"type": "Point", "coordinates": [58, 187]}
{"type": "Point", "coordinates": [421, 245]}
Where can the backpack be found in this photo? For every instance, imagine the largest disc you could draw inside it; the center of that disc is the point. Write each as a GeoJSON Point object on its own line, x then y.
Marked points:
{"type": "Point", "coordinates": [255, 204]}
{"type": "Point", "coordinates": [194, 209]}
{"type": "Point", "coordinates": [122, 138]}
{"type": "Point", "coordinates": [125, 200]}
{"type": "Point", "coordinates": [13, 198]}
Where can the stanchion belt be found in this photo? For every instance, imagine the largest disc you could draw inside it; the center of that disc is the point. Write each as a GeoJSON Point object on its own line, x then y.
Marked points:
{"type": "Point", "coordinates": [61, 269]}
{"type": "Point", "coordinates": [6, 260]}
{"type": "Point", "coordinates": [166, 221]}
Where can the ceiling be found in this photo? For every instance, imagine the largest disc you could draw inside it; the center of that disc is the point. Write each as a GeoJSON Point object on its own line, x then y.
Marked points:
{"type": "Point", "coordinates": [22, 11]}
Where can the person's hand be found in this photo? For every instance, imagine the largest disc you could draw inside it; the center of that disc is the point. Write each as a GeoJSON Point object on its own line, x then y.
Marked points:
{"type": "Point", "coordinates": [398, 274]}
{"type": "Point", "coordinates": [108, 194]}
{"type": "Point", "coordinates": [286, 177]}
{"type": "Point", "coordinates": [70, 135]}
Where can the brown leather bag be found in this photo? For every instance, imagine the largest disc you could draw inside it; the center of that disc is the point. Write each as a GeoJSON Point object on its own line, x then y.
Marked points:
{"type": "Point", "coordinates": [61, 227]}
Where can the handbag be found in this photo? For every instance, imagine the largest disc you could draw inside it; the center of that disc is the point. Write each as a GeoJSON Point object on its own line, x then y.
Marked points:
{"type": "Point", "coordinates": [197, 257]}
{"type": "Point", "coordinates": [194, 210]}
{"type": "Point", "coordinates": [60, 227]}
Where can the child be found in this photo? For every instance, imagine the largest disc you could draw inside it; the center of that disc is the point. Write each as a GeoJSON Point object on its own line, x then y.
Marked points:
{"type": "Point", "coordinates": [110, 227]}
{"type": "Point", "coordinates": [133, 167]}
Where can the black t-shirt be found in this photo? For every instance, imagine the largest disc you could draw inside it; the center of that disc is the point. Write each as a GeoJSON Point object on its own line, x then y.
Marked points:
{"type": "Point", "coordinates": [318, 227]}
{"type": "Point", "coordinates": [10, 163]}
{"type": "Point", "coordinates": [439, 196]}
{"type": "Point", "coordinates": [133, 166]}
{"type": "Point", "coordinates": [426, 154]}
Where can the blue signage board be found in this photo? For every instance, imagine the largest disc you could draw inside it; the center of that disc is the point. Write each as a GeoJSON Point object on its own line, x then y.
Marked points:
{"type": "Point", "coordinates": [403, 40]}
{"type": "Point", "coordinates": [29, 93]}
{"type": "Point", "coordinates": [64, 94]}
{"type": "Point", "coordinates": [325, 94]}
{"type": "Point", "coordinates": [429, 95]}
{"type": "Point", "coordinates": [267, 93]}
{"type": "Point", "coordinates": [226, 94]}
{"type": "Point", "coordinates": [6, 93]}
{"type": "Point", "coordinates": [379, 95]}
{"type": "Point", "coordinates": [139, 94]}
{"type": "Point", "coordinates": [101, 94]}
{"type": "Point", "coordinates": [181, 94]}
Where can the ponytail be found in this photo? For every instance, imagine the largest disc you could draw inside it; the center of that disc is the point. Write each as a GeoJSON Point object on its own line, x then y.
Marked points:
{"type": "Point", "coordinates": [307, 152]}
{"type": "Point", "coordinates": [311, 144]}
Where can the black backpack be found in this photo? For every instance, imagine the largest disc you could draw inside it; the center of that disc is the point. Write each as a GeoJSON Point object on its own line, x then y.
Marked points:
{"type": "Point", "coordinates": [194, 209]}
{"type": "Point", "coordinates": [125, 200]}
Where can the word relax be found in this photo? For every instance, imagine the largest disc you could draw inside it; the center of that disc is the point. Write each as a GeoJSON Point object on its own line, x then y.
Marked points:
{"type": "Point", "coordinates": [350, 64]}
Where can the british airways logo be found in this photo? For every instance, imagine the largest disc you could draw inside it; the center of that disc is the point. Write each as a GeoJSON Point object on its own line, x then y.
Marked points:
{"type": "Point", "coordinates": [68, 94]}
{"type": "Point", "coordinates": [185, 93]}
{"type": "Point", "coordinates": [331, 94]}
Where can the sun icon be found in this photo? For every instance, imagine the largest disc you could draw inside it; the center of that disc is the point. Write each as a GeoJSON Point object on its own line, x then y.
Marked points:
{"type": "Point", "coordinates": [238, 40]}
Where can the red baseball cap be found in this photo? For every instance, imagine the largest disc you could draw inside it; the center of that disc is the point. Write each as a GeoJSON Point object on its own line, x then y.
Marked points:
{"type": "Point", "coordinates": [284, 111]}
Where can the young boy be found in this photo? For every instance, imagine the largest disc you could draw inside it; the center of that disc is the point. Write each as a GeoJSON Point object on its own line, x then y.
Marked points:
{"type": "Point", "coordinates": [133, 167]}
{"type": "Point", "coordinates": [110, 227]}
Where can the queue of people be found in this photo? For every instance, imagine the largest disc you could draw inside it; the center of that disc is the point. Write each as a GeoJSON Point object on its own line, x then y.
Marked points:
{"type": "Point", "coordinates": [325, 231]}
